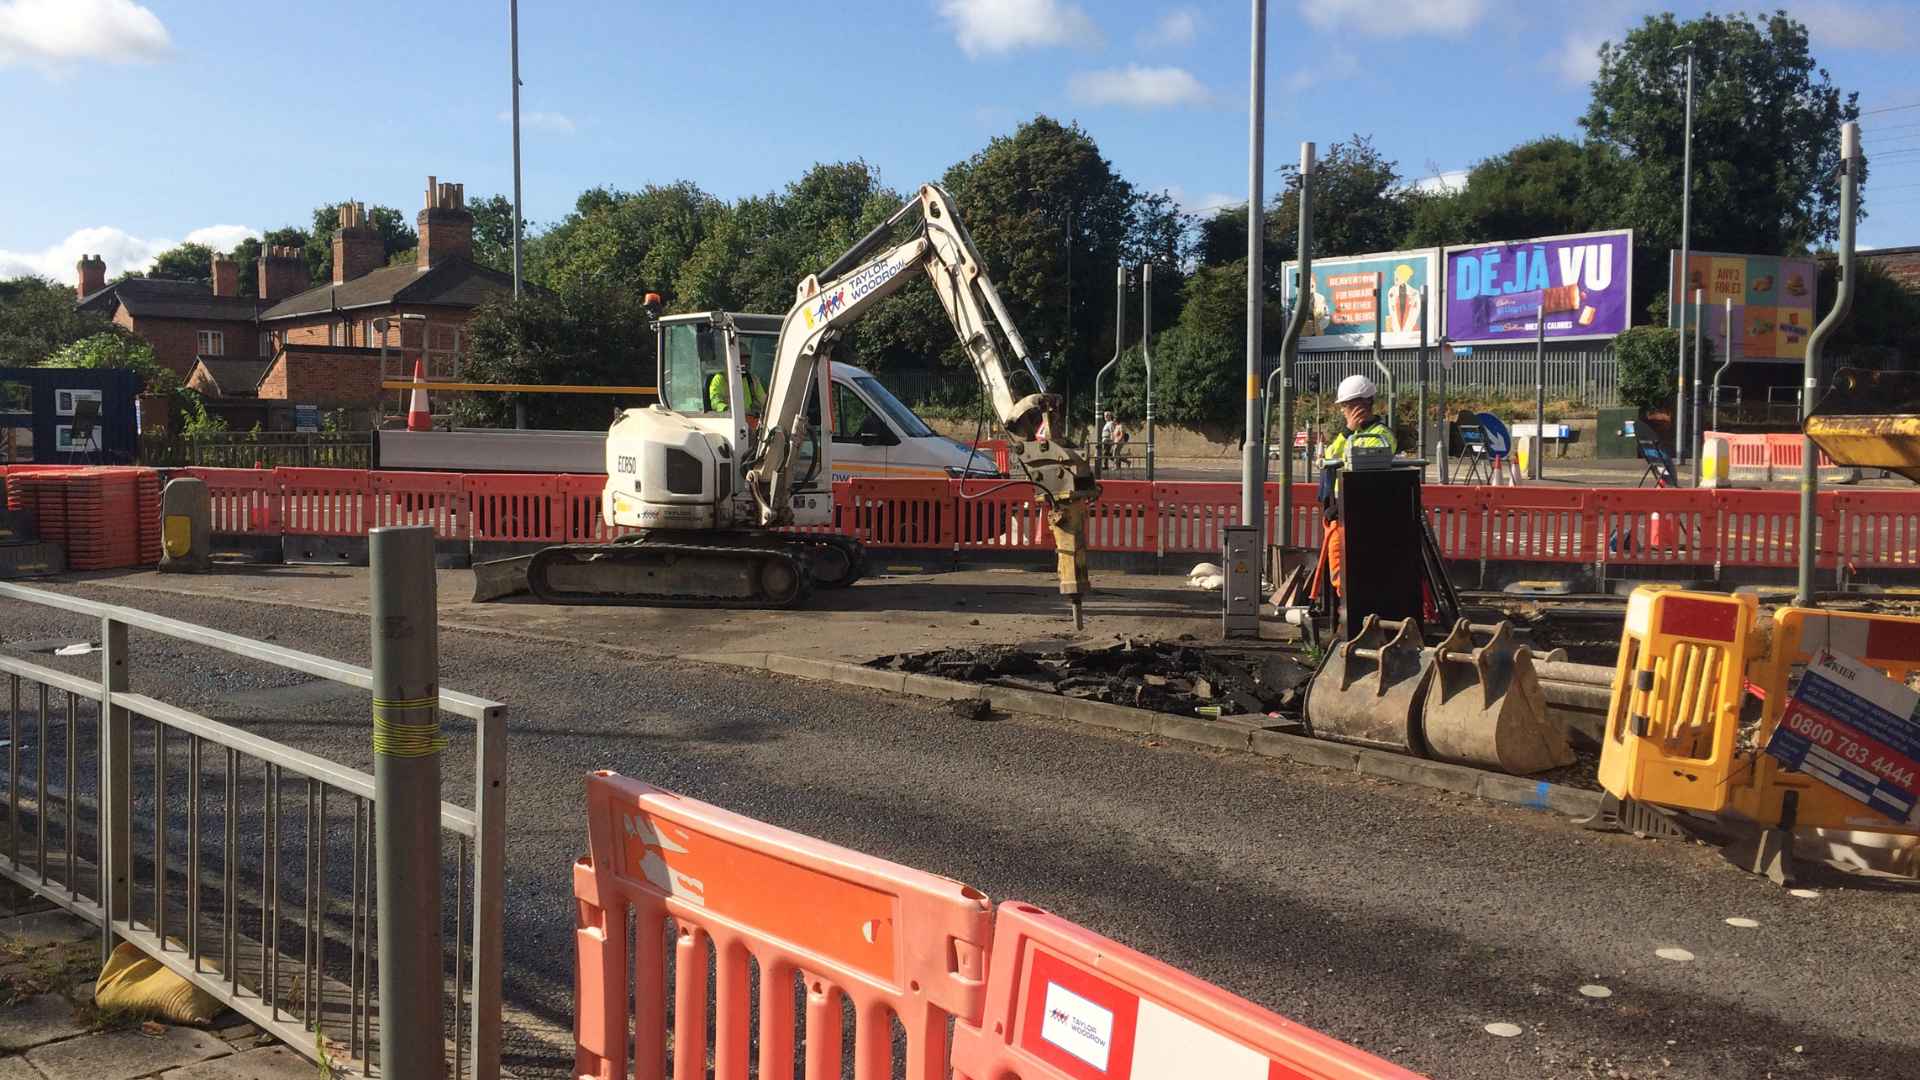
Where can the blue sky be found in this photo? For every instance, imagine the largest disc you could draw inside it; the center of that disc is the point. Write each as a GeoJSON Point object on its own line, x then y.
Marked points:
{"type": "Point", "coordinates": [132, 126]}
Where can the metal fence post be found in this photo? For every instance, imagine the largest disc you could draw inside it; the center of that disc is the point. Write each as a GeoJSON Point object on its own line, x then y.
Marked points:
{"type": "Point", "coordinates": [116, 783]}
{"type": "Point", "coordinates": [406, 784]}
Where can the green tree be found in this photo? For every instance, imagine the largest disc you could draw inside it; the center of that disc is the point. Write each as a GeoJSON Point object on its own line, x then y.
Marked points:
{"type": "Point", "coordinates": [493, 232]}
{"type": "Point", "coordinates": [1882, 330]}
{"type": "Point", "coordinates": [118, 350]}
{"type": "Point", "coordinates": [1649, 359]}
{"type": "Point", "coordinates": [636, 239]}
{"type": "Point", "coordinates": [246, 255]}
{"type": "Point", "coordinates": [1199, 363]}
{"type": "Point", "coordinates": [584, 335]}
{"type": "Point", "coordinates": [1766, 138]}
{"type": "Point", "coordinates": [37, 319]}
{"type": "Point", "coordinates": [395, 236]}
{"type": "Point", "coordinates": [1545, 187]}
{"type": "Point", "coordinates": [188, 262]}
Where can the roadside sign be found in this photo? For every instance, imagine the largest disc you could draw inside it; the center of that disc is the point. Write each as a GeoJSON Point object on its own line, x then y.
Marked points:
{"type": "Point", "coordinates": [1855, 730]}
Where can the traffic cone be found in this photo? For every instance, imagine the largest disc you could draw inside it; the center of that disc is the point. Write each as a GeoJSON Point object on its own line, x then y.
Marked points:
{"type": "Point", "coordinates": [418, 417]}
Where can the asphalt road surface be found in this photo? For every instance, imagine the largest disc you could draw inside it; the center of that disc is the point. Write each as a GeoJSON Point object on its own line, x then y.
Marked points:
{"type": "Point", "coordinates": [1399, 919]}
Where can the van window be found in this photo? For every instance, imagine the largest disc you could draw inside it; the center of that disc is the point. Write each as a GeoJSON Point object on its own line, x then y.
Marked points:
{"type": "Point", "coordinates": [910, 425]}
{"type": "Point", "coordinates": [851, 415]}
{"type": "Point", "coordinates": [690, 357]}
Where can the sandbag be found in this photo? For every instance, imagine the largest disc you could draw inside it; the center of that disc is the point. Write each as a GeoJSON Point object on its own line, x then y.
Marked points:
{"type": "Point", "coordinates": [138, 983]}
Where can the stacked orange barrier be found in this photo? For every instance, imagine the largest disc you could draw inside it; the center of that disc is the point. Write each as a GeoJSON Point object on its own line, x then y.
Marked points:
{"type": "Point", "coordinates": [1033, 997]}
{"type": "Point", "coordinates": [106, 518]}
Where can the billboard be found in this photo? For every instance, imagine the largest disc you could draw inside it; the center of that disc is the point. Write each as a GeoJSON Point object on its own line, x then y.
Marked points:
{"type": "Point", "coordinates": [1772, 301]}
{"type": "Point", "coordinates": [1353, 295]}
{"type": "Point", "coordinates": [1495, 292]}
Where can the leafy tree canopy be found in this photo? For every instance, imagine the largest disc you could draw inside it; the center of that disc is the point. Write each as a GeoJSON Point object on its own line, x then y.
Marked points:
{"type": "Point", "coordinates": [395, 236]}
{"type": "Point", "coordinates": [37, 319]}
{"type": "Point", "coordinates": [188, 262]}
{"type": "Point", "coordinates": [586, 335]}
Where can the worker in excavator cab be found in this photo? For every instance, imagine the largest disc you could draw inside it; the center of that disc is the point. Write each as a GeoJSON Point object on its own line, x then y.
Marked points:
{"type": "Point", "coordinates": [1365, 428]}
{"type": "Point", "coordinates": [755, 394]}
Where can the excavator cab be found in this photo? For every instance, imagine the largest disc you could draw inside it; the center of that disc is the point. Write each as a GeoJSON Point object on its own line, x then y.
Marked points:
{"type": "Point", "coordinates": [1870, 420]}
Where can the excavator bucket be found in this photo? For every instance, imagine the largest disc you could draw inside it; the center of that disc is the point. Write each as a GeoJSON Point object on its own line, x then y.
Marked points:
{"type": "Point", "coordinates": [1371, 688]}
{"type": "Point", "coordinates": [1871, 420]}
{"type": "Point", "coordinates": [1485, 708]}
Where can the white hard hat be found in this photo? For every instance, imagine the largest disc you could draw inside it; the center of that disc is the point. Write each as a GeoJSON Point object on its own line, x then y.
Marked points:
{"type": "Point", "coordinates": [1354, 388]}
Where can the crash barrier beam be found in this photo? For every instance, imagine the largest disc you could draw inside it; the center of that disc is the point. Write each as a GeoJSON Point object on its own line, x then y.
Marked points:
{"type": "Point", "coordinates": [1371, 689]}
{"type": "Point", "coordinates": [896, 942]}
{"type": "Point", "coordinates": [154, 793]}
{"type": "Point", "coordinates": [1671, 729]}
{"type": "Point", "coordinates": [1886, 643]}
{"type": "Point", "coordinates": [1064, 1003]}
{"type": "Point", "coordinates": [1485, 707]}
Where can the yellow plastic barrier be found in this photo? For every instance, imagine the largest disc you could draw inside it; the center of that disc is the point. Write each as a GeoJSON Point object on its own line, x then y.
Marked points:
{"type": "Point", "coordinates": [1888, 643]}
{"type": "Point", "coordinates": [1673, 724]}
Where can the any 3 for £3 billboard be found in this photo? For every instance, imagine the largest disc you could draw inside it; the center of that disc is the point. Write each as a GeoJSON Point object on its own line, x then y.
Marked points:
{"type": "Point", "coordinates": [1585, 283]}
{"type": "Point", "coordinates": [1772, 301]}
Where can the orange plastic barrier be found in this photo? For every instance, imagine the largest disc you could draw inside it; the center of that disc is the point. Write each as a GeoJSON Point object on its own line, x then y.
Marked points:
{"type": "Point", "coordinates": [896, 942]}
{"type": "Point", "coordinates": [243, 500]}
{"type": "Point", "coordinates": [580, 496]}
{"type": "Point", "coordinates": [421, 498]}
{"type": "Point", "coordinates": [1125, 519]}
{"type": "Point", "coordinates": [1877, 528]}
{"type": "Point", "coordinates": [1064, 1003]}
{"type": "Point", "coordinates": [1457, 513]}
{"type": "Point", "coordinates": [1655, 525]}
{"type": "Point", "coordinates": [1193, 513]}
{"type": "Point", "coordinates": [912, 513]}
{"type": "Point", "coordinates": [326, 502]}
{"type": "Point", "coordinates": [1536, 523]}
{"type": "Point", "coordinates": [520, 507]}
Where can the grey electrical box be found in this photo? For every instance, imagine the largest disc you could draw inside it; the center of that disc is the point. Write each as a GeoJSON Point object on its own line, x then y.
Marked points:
{"type": "Point", "coordinates": [1241, 561]}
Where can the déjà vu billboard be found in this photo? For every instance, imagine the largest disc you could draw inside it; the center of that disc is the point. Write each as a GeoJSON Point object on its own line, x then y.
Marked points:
{"type": "Point", "coordinates": [1497, 292]}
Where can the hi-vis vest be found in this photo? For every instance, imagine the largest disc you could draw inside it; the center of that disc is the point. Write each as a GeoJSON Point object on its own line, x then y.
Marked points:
{"type": "Point", "coordinates": [1374, 432]}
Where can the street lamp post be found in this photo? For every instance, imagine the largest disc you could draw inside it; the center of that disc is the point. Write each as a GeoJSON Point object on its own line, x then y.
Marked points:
{"type": "Point", "coordinates": [1682, 439]}
{"type": "Point", "coordinates": [513, 31]}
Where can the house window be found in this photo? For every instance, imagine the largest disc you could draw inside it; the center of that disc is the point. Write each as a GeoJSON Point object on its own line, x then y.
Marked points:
{"type": "Point", "coordinates": [266, 343]}
{"type": "Point", "coordinates": [212, 343]}
{"type": "Point", "coordinates": [336, 332]}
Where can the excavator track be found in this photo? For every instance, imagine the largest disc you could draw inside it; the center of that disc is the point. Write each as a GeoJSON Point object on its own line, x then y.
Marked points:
{"type": "Point", "coordinates": [838, 561]}
{"type": "Point", "coordinates": [672, 574]}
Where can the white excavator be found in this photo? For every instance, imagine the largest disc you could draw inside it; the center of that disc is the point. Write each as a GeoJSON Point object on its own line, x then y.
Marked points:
{"type": "Point", "coordinates": [724, 491]}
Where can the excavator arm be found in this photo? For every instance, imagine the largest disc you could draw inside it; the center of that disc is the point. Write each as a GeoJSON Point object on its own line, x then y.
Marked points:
{"type": "Point", "coordinates": [827, 302]}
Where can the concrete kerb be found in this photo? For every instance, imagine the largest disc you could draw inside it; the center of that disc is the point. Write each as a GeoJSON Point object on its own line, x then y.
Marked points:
{"type": "Point", "coordinates": [1497, 787]}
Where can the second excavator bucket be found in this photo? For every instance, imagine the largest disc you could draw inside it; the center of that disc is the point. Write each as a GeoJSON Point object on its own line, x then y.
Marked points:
{"type": "Point", "coordinates": [1484, 706]}
{"type": "Point", "coordinates": [1371, 688]}
{"type": "Point", "coordinates": [1871, 420]}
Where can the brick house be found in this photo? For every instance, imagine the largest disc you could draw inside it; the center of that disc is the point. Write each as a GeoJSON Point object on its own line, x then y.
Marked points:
{"type": "Point", "coordinates": [326, 342]}
{"type": "Point", "coordinates": [184, 320]}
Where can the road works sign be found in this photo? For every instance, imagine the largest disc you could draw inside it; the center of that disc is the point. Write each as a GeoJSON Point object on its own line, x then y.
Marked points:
{"type": "Point", "coordinates": [1855, 730]}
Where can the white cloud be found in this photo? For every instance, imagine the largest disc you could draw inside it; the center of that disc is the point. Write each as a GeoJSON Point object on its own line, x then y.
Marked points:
{"type": "Point", "coordinates": [55, 34]}
{"type": "Point", "coordinates": [546, 121]}
{"type": "Point", "coordinates": [120, 250]}
{"type": "Point", "coordinates": [1844, 24]}
{"type": "Point", "coordinates": [1141, 88]}
{"type": "Point", "coordinates": [1579, 59]}
{"type": "Point", "coordinates": [1441, 183]}
{"type": "Point", "coordinates": [996, 27]}
{"type": "Point", "coordinates": [1203, 205]}
{"type": "Point", "coordinates": [1396, 18]}
{"type": "Point", "coordinates": [1174, 29]}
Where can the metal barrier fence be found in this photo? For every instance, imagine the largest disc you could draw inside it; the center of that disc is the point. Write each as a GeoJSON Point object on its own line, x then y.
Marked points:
{"type": "Point", "coordinates": [241, 864]}
{"type": "Point", "coordinates": [1589, 377]}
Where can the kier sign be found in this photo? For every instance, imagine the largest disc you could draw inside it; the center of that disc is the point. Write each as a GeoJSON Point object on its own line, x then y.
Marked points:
{"type": "Point", "coordinates": [1855, 730]}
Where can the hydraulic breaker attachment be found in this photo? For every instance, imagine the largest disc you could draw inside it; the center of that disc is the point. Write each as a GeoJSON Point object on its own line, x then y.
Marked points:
{"type": "Point", "coordinates": [1069, 521]}
{"type": "Point", "coordinates": [1484, 706]}
{"type": "Point", "coordinates": [1371, 689]}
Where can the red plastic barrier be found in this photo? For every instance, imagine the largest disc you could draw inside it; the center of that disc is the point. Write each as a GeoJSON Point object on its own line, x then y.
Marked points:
{"type": "Point", "coordinates": [1762, 528]}
{"type": "Point", "coordinates": [907, 513]}
{"type": "Point", "coordinates": [1002, 514]}
{"type": "Point", "coordinates": [1655, 525]}
{"type": "Point", "coordinates": [518, 507]}
{"type": "Point", "coordinates": [997, 448]}
{"type": "Point", "coordinates": [1784, 452]}
{"type": "Point", "coordinates": [898, 943]}
{"type": "Point", "coordinates": [1457, 513]}
{"type": "Point", "coordinates": [1538, 523]}
{"type": "Point", "coordinates": [580, 495]}
{"type": "Point", "coordinates": [421, 498]}
{"type": "Point", "coordinates": [326, 502]}
{"type": "Point", "coordinates": [244, 500]}
{"type": "Point", "coordinates": [1877, 528]}
{"type": "Point", "coordinates": [1193, 513]}
{"type": "Point", "coordinates": [1064, 1003]}
{"type": "Point", "coordinates": [1125, 519]}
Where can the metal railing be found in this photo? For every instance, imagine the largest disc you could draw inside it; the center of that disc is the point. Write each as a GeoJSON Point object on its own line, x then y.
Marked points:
{"type": "Point", "coordinates": [1589, 377]}
{"type": "Point", "coordinates": [275, 449]}
{"type": "Point", "coordinates": [244, 865]}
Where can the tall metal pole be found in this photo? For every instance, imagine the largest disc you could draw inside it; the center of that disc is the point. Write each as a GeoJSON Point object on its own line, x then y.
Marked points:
{"type": "Point", "coordinates": [1536, 457]}
{"type": "Point", "coordinates": [1693, 396]}
{"type": "Point", "coordinates": [1678, 293]}
{"type": "Point", "coordinates": [406, 795]}
{"type": "Point", "coordinates": [1424, 446]}
{"type": "Point", "coordinates": [1445, 441]}
{"type": "Point", "coordinates": [1851, 162]}
{"type": "Point", "coordinates": [1253, 453]}
{"type": "Point", "coordinates": [1726, 359]}
{"type": "Point", "coordinates": [1290, 342]}
{"type": "Point", "coordinates": [513, 31]}
{"type": "Point", "coordinates": [1146, 350]}
{"type": "Point", "coordinates": [1099, 377]}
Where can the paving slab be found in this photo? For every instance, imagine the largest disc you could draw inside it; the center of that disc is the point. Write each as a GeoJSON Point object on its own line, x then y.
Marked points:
{"type": "Point", "coordinates": [125, 1055]}
{"type": "Point", "coordinates": [16, 1068]}
{"type": "Point", "coordinates": [266, 1063]}
{"type": "Point", "coordinates": [47, 928]}
{"type": "Point", "coordinates": [38, 1020]}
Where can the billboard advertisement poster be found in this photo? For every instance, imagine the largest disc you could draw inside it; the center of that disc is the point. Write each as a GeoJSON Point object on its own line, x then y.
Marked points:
{"type": "Point", "coordinates": [1354, 295]}
{"type": "Point", "coordinates": [1772, 301]}
{"type": "Point", "coordinates": [1585, 282]}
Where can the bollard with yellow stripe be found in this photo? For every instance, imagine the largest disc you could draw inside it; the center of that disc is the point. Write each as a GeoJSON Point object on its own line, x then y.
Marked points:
{"type": "Point", "coordinates": [1673, 724]}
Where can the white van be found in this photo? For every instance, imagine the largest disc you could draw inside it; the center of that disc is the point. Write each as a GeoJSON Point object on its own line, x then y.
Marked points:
{"type": "Point", "coordinates": [874, 433]}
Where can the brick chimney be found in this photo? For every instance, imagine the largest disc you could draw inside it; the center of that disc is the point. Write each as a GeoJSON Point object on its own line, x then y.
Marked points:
{"type": "Point", "coordinates": [226, 275]}
{"type": "Point", "coordinates": [357, 248]}
{"type": "Point", "coordinates": [283, 272]}
{"type": "Point", "coordinates": [93, 275]}
{"type": "Point", "coordinates": [446, 226]}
